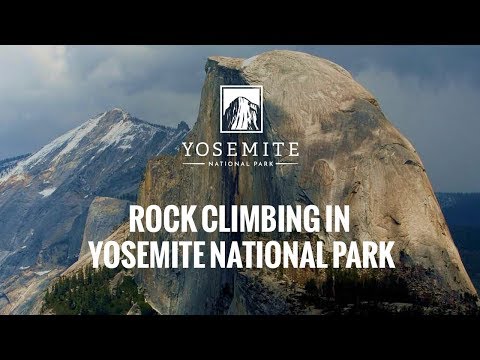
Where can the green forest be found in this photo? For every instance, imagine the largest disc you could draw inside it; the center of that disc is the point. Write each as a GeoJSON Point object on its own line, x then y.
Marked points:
{"type": "Point", "coordinates": [89, 293]}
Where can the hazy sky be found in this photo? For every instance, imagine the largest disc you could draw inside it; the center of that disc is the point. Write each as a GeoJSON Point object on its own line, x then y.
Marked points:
{"type": "Point", "coordinates": [430, 93]}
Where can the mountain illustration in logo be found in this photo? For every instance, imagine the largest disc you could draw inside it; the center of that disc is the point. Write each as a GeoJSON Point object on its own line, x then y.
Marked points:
{"type": "Point", "coordinates": [241, 115]}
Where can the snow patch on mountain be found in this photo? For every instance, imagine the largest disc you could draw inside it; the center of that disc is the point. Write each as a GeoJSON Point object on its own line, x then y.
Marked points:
{"type": "Point", "coordinates": [73, 137]}
{"type": "Point", "coordinates": [47, 192]}
{"type": "Point", "coordinates": [78, 134]}
{"type": "Point", "coordinates": [117, 134]}
{"type": "Point", "coordinates": [40, 273]}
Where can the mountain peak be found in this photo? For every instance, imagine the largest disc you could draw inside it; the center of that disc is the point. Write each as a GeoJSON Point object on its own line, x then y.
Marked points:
{"type": "Point", "coordinates": [114, 115]}
{"type": "Point", "coordinates": [118, 110]}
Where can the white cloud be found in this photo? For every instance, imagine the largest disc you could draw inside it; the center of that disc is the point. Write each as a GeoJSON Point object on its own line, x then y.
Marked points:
{"type": "Point", "coordinates": [51, 60]}
{"type": "Point", "coordinates": [109, 70]}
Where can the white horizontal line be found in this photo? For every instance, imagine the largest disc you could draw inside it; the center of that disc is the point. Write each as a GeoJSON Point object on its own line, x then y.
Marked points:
{"type": "Point", "coordinates": [285, 163]}
{"type": "Point", "coordinates": [193, 163]}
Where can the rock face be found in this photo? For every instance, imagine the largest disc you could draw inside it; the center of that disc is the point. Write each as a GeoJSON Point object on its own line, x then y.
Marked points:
{"type": "Point", "coordinates": [103, 216]}
{"type": "Point", "coordinates": [349, 154]}
{"type": "Point", "coordinates": [44, 198]}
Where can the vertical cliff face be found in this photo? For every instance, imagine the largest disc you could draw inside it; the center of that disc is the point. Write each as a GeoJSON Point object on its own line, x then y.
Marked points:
{"type": "Point", "coordinates": [349, 154]}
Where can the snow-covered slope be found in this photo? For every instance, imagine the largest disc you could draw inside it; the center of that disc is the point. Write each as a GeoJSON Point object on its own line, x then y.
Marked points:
{"type": "Point", "coordinates": [115, 129]}
{"type": "Point", "coordinates": [44, 198]}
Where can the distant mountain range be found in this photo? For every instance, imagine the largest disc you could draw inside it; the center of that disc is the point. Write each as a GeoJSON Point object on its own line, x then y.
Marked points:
{"type": "Point", "coordinates": [45, 197]}
{"type": "Point", "coordinates": [462, 212]}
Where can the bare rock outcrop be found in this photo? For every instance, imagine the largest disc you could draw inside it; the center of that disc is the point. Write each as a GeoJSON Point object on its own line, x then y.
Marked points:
{"type": "Point", "coordinates": [104, 214]}
{"type": "Point", "coordinates": [349, 154]}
